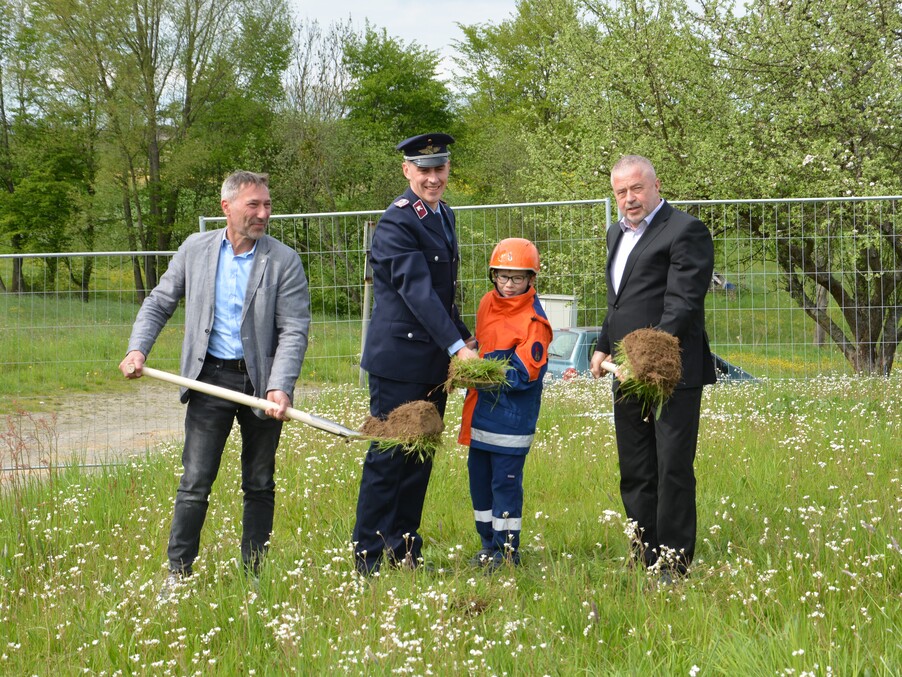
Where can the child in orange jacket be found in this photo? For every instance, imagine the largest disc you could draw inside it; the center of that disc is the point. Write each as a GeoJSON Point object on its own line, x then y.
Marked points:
{"type": "Point", "coordinates": [499, 423]}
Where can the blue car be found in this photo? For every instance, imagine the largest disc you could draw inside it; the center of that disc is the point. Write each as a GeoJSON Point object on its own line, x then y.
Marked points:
{"type": "Point", "coordinates": [570, 351]}
{"type": "Point", "coordinates": [572, 348]}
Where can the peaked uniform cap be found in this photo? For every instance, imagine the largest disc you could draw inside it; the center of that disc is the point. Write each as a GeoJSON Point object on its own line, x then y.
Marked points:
{"type": "Point", "coordinates": [426, 150]}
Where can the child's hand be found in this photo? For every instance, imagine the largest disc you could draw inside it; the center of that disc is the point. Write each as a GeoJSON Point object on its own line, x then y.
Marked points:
{"type": "Point", "coordinates": [466, 353]}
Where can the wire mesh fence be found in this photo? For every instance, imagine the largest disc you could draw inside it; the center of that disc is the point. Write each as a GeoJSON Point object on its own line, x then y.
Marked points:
{"type": "Point", "coordinates": [802, 288]}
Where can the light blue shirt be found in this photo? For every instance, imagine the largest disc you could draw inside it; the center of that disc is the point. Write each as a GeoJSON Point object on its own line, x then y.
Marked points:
{"type": "Point", "coordinates": [232, 275]}
{"type": "Point", "coordinates": [452, 351]}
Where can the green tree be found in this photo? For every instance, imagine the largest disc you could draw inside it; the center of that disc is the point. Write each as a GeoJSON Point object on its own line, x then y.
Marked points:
{"type": "Point", "coordinates": [394, 86]}
{"type": "Point", "coordinates": [6, 21]}
{"type": "Point", "coordinates": [351, 97]}
{"type": "Point", "coordinates": [316, 154]}
{"type": "Point", "coordinates": [7, 185]}
{"type": "Point", "coordinates": [394, 93]}
{"type": "Point", "coordinates": [507, 75]}
{"type": "Point", "coordinates": [37, 164]}
{"type": "Point", "coordinates": [184, 91]}
{"type": "Point", "coordinates": [818, 89]}
{"type": "Point", "coordinates": [634, 77]}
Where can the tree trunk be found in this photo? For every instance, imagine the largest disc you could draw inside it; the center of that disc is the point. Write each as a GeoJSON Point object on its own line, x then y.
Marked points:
{"type": "Point", "coordinates": [82, 281]}
{"type": "Point", "coordinates": [132, 243]}
{"type": "Point", "coordinates": [820, 334]}
{"type": "Point", "coordinates": [17, 283]}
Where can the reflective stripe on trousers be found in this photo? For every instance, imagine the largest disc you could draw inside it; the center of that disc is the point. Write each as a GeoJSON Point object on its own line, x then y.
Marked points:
{"type": "Point", "coordinates": [500, 440]}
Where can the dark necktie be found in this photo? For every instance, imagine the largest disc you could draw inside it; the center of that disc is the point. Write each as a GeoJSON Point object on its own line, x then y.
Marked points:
{"type": "Point", "coordinates": [449, 235]}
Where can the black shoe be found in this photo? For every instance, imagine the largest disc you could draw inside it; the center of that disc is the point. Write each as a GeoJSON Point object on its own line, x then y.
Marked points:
{"type": "Point", "coordinates": [482, 558]}
{"type": "Point", "coordinates": [502, 560]}
{"type": "Point", "coordinates": [409, 563]}
{"type": "Point", "coordinates": [669, 578]}
{"type": "Point", "coordinates": [171, 585]}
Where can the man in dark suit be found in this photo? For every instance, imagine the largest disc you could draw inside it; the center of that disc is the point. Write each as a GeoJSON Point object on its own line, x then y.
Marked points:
{"type": "Point", "coordinates": [247, 317]}
{"type": "Point", "coordinates": [414, 331]}
{"type": "Point", "coordinates": [660, 262]}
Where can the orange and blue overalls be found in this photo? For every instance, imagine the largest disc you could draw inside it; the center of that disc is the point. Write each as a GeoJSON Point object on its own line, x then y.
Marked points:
{"type": "Point", "coordinates": [499, 423]}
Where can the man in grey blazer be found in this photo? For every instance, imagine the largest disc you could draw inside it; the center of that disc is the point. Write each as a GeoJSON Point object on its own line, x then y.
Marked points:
{"type": "Point", "coordinates": [660, 262]}
{"type": "Point", "coordinates": [247, 317]}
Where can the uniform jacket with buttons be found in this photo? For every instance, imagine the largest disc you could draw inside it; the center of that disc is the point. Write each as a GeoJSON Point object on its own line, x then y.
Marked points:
{"type": "Point", "coordinates": [503, 420]}
{"type": "Point", "coordinates": [275, 320]}
{"type": "Point", "coordinates": [415, 319]}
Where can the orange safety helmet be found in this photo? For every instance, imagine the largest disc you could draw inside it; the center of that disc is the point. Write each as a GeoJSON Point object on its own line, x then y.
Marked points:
{"type": "Point", "coordinates": [515, 253]}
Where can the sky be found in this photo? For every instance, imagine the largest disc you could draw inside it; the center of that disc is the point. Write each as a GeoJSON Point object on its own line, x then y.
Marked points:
{"type": "Point", "coordinates": [432, 25]}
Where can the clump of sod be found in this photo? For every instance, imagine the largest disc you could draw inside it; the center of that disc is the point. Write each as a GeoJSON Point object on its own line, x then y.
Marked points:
{"type": "Point", "coordinates": [415, 427]}
{"type": "Point", "coordinates": [650, 367]}
{"type": "Point", "coordinates": [477, 373]}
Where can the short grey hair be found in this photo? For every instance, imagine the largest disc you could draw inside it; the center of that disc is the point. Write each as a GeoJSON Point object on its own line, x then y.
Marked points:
{"type": "Point", "coordinates": [632, 161]}
{"type": "Point", "coordinates": [237, 180]}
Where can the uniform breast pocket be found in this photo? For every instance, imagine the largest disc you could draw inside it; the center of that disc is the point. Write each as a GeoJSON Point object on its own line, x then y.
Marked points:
{"type": "Point", "coordinates": [409, 332]}
{"type": "Point", "coordinates": [437, 257]}
{"type": "Point", "coordinates": [442, 273]}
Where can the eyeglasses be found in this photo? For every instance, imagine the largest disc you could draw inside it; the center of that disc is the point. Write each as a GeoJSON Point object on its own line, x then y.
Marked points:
{"type": "Point", "coordinates": [516, 279]}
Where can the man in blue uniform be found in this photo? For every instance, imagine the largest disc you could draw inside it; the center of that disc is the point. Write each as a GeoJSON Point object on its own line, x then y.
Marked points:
{"type": "Point", "coordinates": [414, 331]}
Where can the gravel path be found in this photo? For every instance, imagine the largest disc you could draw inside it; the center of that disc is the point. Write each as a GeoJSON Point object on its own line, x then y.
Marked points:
{"type": "Point", "coordinates": [94, 428]}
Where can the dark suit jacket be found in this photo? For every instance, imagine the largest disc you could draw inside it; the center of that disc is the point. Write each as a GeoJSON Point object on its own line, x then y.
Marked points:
{"type": "Point", "coordinates": [415, 319]}
{"type": "Point", "coordinates": [664, 286]}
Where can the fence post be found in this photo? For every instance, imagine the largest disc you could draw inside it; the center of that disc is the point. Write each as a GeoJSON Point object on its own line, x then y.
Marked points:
{"type": "Point", "coordinates": [369, 228]}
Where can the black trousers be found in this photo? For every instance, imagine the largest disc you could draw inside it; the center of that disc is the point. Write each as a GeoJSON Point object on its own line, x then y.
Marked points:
{"type": "Point", "coordinates": [208, 423]}
{"type": "Point", "coordinates": [657, 475]}
{"type": "Point", "coordinates": [393, 484]}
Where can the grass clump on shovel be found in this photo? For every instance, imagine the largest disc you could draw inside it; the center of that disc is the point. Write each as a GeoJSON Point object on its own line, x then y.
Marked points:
{"type": "Point", "coordinates": [416, 427]}
{"type": "Point", "coordinates": [477, 373]}
{"type": "Point", "coordinates": [650, 367]}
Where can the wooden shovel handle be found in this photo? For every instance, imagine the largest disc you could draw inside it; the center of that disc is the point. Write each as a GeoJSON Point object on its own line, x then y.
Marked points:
{"type": "Point", "coordinates": [248, 400]}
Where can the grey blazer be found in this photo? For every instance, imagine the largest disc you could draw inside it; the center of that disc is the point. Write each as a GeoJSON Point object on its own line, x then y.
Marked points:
{"type": "Point", "coordinates": [275, 321]}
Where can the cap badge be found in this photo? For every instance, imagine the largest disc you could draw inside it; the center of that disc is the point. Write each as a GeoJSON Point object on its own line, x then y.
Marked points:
{"type": "Point", "coordinates": [429, 150]}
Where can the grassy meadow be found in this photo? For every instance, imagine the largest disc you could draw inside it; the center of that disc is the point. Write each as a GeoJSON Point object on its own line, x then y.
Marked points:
{"type": "Point", "coordinates": [798, 568]}
{"type": "Point", "coordinates": [54, 347]}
